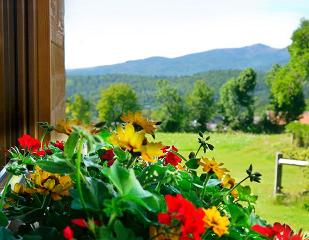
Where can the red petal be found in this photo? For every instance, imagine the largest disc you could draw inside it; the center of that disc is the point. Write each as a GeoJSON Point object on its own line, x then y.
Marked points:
{"type": "Point", "coordinates": [79, 222]}
{"type": "Point", "coordinates": [68, 233]}
{"type": "Point", "coordinates": [164, 218]}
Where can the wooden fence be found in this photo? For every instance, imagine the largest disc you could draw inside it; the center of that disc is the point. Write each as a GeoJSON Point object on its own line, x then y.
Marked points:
{"type": "Point", "coordinates": [279, 162]}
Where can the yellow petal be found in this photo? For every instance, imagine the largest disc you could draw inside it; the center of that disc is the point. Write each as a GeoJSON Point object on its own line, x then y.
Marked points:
{"type": "Point", "coordinates": [150, 151]}
{"type": "Point", "coordinates": [50, 184]}
{"type": "Point", "coordinates": [18, 188]}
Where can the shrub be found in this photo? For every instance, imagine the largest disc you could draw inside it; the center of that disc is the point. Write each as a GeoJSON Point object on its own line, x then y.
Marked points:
{"type": "Point", "coordinates": [300, 133]}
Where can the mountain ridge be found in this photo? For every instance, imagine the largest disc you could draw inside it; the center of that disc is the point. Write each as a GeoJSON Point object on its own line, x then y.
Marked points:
{"type": "Point", "coordinates": [258, 56]}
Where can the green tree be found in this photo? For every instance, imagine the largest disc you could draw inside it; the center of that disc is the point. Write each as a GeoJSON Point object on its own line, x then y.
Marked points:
{"type": "Point", "coordinates": [299, 51]}
{"type": "Point", "coordinates": [201, 104]}
{"type": "Point", "coordinates": [286, 93]}
{"type": "Point", "coordinates": [236, 100]}
{"type": "Point", "coordinates": [286, 83]}
{"type": "Point", "coordinates": [77, 107]}
{"type": "Point", "coordinates": [172, 110]}
{"type": "Point", "coordinates": [116, 100]}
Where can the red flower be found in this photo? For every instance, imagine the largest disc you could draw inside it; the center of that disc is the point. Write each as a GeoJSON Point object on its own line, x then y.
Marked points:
{"type": "Point", "coordinates": [59, 144]}
{"type": "Point", "coordinates": [264, 230]}
{"type": "Point", "coordinates": [48, 151]}
{"type": "Point", "coordinates": [170, 157]}
{"type": "Point", "coordinates": [39, 153]}
{"type": "Point", "coordinates": [184, 214]}
{"type": "Point", "coordinates": [79, 222]}
{"type": "Point", "coordinates": [278, 231]}
{"type": "Point", "coordinates": [68, 233]}
{"type": "Point", "coordinates": [283, 231]}
{"type": "Point", "coordinates": [164, 218]}
{"type": "Point", "coordinates": [29, 143]}
{"type": "Point", "coordinates": [108, 155]}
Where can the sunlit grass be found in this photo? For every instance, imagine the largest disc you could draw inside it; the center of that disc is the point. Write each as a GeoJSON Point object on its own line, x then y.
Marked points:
{"type": "Point", "coordinates": [237, 151]}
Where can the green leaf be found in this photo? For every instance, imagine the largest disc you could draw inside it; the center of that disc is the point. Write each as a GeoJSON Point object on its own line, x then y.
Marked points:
{"type": "Point", "coordinates": [61, 167]}
{"type": "Point", "coordinates": [6, 234]}
{"type": "Point", "coordinates": [239, 216]}
{"type": "Point", "coordinates": [119, 232]}
{"type": "Point", "coordinates": [122, 155]}
{"type": "Point", "coordinates": [46, 233]}
{"type": "Point", "coordinates": [70, 145]}
{"type": "Point", "coordinates": [127, 185]}
{"type": "Point", "coordinates": [244, 194]}
{"type": "Point", "coordinates": [104, 134]}
{"type": "Point", "coordinates": [3, 219]}
{"type": "Point", "coordinates": [94, 193]}
{"type": "Point", "coordinates": [193, 163]}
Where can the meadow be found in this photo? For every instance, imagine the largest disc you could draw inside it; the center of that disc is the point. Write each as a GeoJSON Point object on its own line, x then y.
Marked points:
{"type": "Point", "coordinates": [237, 151]}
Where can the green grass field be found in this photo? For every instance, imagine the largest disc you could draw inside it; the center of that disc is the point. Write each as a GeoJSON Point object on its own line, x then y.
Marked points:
{"type": "Point", "coordinates": [237, 151]}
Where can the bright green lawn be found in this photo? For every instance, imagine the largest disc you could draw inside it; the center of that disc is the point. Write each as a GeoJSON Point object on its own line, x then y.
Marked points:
{"type": "Point", "coordinates": [237, 151]}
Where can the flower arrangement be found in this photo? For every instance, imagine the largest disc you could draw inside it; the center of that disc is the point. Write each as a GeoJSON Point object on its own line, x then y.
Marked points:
{"type": "Point", "coordinates": [121, 184]}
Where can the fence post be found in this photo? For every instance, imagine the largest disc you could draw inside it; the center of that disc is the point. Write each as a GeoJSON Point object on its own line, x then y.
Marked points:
{"type": "Point", "coordinates": [278, 174]}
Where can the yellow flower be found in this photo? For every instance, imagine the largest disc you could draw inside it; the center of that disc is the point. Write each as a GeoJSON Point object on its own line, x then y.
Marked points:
{"type": "Point", "coordinates": [213, 219]}
{"type": "Point", "coordinates": [229, 182]}
{"type": "Point", "coordinates": [150, 151]}
{"type": "Point", "coordinates": [21, 189]}
{"type": "Point", "coordinates": [126, 137]}
{"type": "Point", "coordinates": [140, 123]}
{"type": "Point", "coordinates": [66, 127]}
{"type": "Point", "coordinates": [211, 166]}
{"type": "Point", "coordinates": [46, 183]}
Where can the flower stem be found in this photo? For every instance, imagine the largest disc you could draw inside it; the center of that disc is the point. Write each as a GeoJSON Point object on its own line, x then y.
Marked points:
{"type": "Point", "coordinates": [43, 137]}
{"type": "Point", "coordinates": [237, 185]}
{"type": "Point", "coordinates": [78, 174]}
{"type": "Point", "coordinates": [204, 185]}
{"type": "Point", "coordinates": [198, 150]}
{"type": "Point", "coordinates": [112, 219]}
{"type": "Point", "coordinates": [131, 162]}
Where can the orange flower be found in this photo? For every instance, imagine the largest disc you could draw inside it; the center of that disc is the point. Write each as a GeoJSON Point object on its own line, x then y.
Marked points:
{"type": "Point", "coordinates": [66, 127]}
{"type": "Point", "coordinates": [215, 221]}
{"type": "Point", "coordinates": [46, 183]}
{"type": "Point", "coordinates": [229, 182]}
{"type": "Point", "coordinates": [211, 166]}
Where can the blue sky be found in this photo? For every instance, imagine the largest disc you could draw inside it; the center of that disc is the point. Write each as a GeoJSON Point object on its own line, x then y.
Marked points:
{"type": "Point", "coordinates": [101, 32]}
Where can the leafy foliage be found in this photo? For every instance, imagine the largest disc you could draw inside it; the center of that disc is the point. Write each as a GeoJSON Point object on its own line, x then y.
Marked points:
{"type": "Point", "coordinates": [77, 107]}
{"type": "Point", "coordinates": [116, 100]}
{"type": "Point", "coordinates": [172, 110]}
{"type": "Point", "coordinates": [126, 199]}
{"type": "Point", "coordinates": [201, 104]}
{"type": "Point", "coordinates": [286, 93]}
{"type": "Point", "coordinates": [300, 133]}
{"type": "Point", "coordinates": [287, 82]}
{"type": "Point", "coordinates": [236, 100]}
{"type": "Point", "coordinates": [145, 86]}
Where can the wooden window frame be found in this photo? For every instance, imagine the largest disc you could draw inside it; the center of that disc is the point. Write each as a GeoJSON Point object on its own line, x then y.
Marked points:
{"type": "Point", "coordinates": [32, 73]}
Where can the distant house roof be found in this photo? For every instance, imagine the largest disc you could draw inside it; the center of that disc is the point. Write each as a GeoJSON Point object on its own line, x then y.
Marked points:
{"type": "Point", "coordinates": [304, 118]}
{"type": "Point", "coordinates": [275, 119]}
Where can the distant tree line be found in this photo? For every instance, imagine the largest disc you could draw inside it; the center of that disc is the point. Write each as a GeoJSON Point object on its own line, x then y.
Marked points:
{"type": "Point", "coordinates": [189, 103]}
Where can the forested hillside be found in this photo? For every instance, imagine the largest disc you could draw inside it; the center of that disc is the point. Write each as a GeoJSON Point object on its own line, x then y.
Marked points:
{"type": "Point", "coordinates": [145, 86]}
{"type": "Point", "coordinates": [258, 56]}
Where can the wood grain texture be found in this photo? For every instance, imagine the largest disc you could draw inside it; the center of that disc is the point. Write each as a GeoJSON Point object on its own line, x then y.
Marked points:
{"type": "Point", "coordinates": [32, 74]}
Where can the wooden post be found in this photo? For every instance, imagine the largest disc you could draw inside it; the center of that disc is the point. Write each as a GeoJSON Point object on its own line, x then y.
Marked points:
{"type": "Point", "coordinates": [278, 174]}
